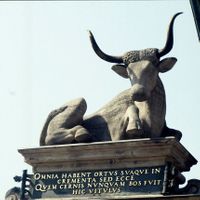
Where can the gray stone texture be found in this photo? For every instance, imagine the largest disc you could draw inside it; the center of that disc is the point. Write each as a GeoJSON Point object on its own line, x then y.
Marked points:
{"type": "Point", "coordinates": [138, 112]}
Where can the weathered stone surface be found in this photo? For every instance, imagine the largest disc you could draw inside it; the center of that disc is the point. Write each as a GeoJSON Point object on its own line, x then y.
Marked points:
{"type": "Point", "coordinates": [138, 112]}
{"type": "Point", "coordinates": [142, 154]}
{"type": "Point", "coordinates": [103, 155]}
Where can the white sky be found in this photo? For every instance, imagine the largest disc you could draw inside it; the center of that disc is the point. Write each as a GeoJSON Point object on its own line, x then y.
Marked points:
{"type": "Point", "coordinates": [46, 60]}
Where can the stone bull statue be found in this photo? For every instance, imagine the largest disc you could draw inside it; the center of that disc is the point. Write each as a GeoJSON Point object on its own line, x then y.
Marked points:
{"type": "Point", "coordinates": [137, 112]}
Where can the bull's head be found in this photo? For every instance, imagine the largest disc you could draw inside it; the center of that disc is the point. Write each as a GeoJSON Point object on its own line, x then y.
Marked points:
{"type": "Point", "coordinates": [141, 67]}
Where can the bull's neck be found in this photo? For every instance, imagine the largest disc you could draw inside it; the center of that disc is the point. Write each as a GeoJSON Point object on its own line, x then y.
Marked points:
{"type": "Point", "coordinates": [158, 94]}
{"type": "Point", "coordinates": [152, 111]}
{"type": "Point", "coordinates": [157, 101]}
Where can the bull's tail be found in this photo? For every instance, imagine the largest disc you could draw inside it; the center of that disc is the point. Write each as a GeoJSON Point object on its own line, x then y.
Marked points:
{"type": "Point", "coordinates": [171, 132]}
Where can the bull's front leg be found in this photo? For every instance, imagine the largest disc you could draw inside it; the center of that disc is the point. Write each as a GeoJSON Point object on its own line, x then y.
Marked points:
{"type": "Point", "coordinates": [133, 123]}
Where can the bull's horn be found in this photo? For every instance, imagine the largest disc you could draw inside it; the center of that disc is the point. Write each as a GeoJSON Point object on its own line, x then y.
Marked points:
{"type": "Point", "coordinates": [101, 54]}
{"type": "Point", "coordinates": [170, 38]}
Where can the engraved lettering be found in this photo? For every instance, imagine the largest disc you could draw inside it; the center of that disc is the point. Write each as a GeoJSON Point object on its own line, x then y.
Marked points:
{"type": "Point", "coordinates": [78, 192]}
{"type": "Point", "coordinates": [44, 188]}
{"type": "Point", "coordinates": [152, 182]}
{"type": "Point", "coordinates": [135, 183]}
{"type": "Point", "coordinates": [38, 176]}
{"type": "Point", "coordinates": [156, 171]}
{"type": "Point", "coordinates": [99, 182]}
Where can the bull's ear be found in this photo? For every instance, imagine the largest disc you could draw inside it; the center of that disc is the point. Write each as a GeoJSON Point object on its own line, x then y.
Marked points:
{"type": "Point", "coordinates": [166, 64]}
{"type": "Point", "coordinates": [121, 70]}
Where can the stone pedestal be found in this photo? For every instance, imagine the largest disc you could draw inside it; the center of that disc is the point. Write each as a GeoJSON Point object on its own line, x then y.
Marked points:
{"type": "Point", "coordinates": [131, 169]}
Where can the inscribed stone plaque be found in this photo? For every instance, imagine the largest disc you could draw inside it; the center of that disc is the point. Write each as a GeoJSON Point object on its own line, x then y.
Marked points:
{"type": "Point", "coordinates": [99, 182]}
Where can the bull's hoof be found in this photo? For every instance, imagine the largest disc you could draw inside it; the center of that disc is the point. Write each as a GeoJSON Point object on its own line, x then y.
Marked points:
{"type": "Point", "coordinates": [55, 140]}
{"type": "Point", "coordinates": [134, 133]}
{"type": "Point", "coordinates": [68, 139]}
{"type": "Point", "coordinates": [82, 135]}
{"type": "Point", "coordinates": [134, 130]}
{"type": "Point", "coordinates": [60, 136]}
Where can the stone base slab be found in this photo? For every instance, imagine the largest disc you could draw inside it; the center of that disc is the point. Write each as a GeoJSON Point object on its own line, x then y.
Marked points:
{"type": "Point", "coordinates": [126, 169]}
{"type": "Point", "coordinates": [109, 155]}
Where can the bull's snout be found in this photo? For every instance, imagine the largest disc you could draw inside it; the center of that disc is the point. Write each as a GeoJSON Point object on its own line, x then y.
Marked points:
{"type": "Point", "coordinates": [139, 93]}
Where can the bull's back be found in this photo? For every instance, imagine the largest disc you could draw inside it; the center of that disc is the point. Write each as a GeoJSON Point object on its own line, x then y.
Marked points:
{"type": "Point", "coordinates": [107, 123]}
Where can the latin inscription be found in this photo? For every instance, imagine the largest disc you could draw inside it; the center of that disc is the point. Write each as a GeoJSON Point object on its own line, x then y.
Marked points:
{"type": "Point", "coordinates": [135, 180]}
